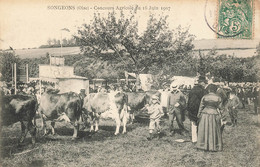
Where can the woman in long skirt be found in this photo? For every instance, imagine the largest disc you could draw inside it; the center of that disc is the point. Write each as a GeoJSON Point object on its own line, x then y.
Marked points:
{"type": "Point", "coordinates": [209, 128]}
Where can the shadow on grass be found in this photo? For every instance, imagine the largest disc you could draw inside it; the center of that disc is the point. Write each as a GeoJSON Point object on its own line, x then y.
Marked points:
{"type": "Point", "coordinates": [107, 133]}
{"type": "Point", "coordinates": [36, 163]}
{"type": "Point", "coordinates": [142, 120]}
{"type": "Point", "coordinates": [65, 133]}
{"type": "Point", "coordinates": [61, 133]}
{"type": "Point", "coordinates": [10, 146]}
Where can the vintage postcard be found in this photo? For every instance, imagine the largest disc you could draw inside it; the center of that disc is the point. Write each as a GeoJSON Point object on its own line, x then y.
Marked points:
{"type": "Point", "coordinates": [180, 76]}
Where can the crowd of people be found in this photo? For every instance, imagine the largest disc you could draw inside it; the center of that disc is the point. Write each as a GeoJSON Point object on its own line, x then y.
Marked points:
{"type": "Point", "coordinates": [208, 106]}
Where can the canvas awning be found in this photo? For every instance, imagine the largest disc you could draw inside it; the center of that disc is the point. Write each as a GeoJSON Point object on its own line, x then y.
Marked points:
{"type": "Point", "coordinates": [55, 80]}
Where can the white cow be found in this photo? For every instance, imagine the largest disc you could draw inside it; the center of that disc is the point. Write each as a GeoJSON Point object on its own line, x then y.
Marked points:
{"type": "Point", "coordinates": [113, 105]}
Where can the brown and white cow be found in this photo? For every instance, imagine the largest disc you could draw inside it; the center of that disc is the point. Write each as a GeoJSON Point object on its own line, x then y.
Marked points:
{"type": "Point", "coordinates": [58, 107]}
{"type": "Point", "coordinates": [113, 105]}
{"type": "Point", "coordinates": [137, 102]}
{"type": "Point", "coordinates": [19, 108]}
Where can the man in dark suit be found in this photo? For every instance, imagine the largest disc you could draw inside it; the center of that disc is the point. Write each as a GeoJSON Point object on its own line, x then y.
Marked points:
{"type": "Point", "coordinates": [194, 98]}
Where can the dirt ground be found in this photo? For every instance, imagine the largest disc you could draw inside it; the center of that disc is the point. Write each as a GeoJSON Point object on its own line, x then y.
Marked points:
{"type": "Point", "coordinates": [241, 147]}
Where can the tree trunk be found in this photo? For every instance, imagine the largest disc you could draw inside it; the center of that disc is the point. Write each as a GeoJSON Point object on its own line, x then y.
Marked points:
{"type": "Point", "coordinates": [138, 82]}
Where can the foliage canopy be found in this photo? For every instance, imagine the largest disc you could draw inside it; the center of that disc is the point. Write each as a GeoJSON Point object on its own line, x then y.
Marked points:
{"type": "Point", "coordinates": [116, 40]}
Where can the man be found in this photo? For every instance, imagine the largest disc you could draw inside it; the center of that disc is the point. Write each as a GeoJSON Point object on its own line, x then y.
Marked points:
{"type": "Point", "coordinates": [194, 98]}
{"type": "Point", "coordinates": [176, 108]}
{"type": "Point", "coordinates": [82, 93]}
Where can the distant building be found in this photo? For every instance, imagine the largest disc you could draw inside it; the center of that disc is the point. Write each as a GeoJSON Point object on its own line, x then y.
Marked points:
{"type": "Point", "coordinates": [62, 76]}
{"type": "Point", "coordinates": [57, 61]}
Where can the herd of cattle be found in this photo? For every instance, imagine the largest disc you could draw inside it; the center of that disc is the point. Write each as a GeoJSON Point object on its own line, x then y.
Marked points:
{"type": "Point", "coordinates": [79, 109]}
{"type": "Point", "coordinates": [76, 109]}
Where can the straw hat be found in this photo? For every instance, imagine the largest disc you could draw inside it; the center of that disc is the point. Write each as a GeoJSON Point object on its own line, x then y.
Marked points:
{"type": "Point", "coordinates": [155, 97]}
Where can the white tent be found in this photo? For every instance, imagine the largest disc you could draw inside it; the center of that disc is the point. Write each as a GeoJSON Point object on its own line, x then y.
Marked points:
{"type": "Point", "coordinates": [146, 80]}
{"type": "Point", "coordinates": [182, 80]}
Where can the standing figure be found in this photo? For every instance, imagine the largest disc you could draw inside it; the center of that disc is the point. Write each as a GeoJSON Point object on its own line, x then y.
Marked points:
{"type": "Point", "coordinates": [223, 93]}
{"type": "Point", "coordinates": [82, 93]}
{"type": "Point", "coordinates": [176, 108]}
{"type": "Point", "coordinates": [231, 106]}
{"type": "Point", "coordinates": [240, 94]}
{"type": "Point", "coordinates": [164, 99]}
{"type": "Point", "coordinates": [256, 99]}
{"type": "Point", "coordinates": [194, 98]}
{"type": "Point", "coordinates": [156, 112]}
{"type": "Point", "coordinates": [209, 127]}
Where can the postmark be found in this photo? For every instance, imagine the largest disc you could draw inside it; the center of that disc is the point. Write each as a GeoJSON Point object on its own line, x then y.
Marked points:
{"type": "Point", "coordinates": [235, 19]}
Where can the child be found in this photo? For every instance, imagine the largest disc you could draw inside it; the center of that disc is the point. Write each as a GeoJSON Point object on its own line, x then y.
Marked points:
{"type": "Point", "coordinates": [156, 112]}
{"type": "Point", "coordinates": [232, 105]}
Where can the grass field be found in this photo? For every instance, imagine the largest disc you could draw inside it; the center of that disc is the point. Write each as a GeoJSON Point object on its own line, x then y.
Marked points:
{"type": "Point", "coordinates": [41, 52]}
{"type": "Point", "coordinates": [237, 48]}
{"type": "Point", "coordinates": [241, 147]}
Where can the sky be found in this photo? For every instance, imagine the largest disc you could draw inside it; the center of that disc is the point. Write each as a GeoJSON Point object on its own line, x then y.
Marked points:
{"type": "Point", "coordinates": [28, 24]}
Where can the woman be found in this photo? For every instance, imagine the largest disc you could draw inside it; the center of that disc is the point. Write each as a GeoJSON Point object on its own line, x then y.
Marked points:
{"type": "Point", "coordinates": [209, 128]}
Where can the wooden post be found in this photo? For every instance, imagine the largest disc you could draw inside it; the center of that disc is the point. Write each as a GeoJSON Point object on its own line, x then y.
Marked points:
{"type": "Point", "coordinates": [12, 75]}
{"type": "Point", "coordinates": [15, 86]}
{"type": "Point", "coordinates": [61, 43]}
{"type": "Point", "coordinates": [27, 74]}
{"type": "Point", "coordinates": [87, 87]}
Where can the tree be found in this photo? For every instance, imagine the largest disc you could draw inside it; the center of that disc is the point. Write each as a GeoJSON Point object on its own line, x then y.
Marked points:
{"type": "Point", "coordinates": [95, 69]}
{"type": "Point", "coordinates": [7, 59]}
{"type": "Point", "coordinates": [58, 42]}
{"type": "Point", "coordinates": [258, 50]}
{"type": "Point", "coordinates": [33, 64]}
{"type": "Point", "coordinates": [229, 68]}
{"type": "Point", "coordinates": [153, 51]}
{"type": "Point", "coordinates": [64, 42]}
{"type": "Point", "coordinates": [54, 41]}
{"type": "Point", "coordinates": [71, 42]}
{"type": "Point", "coordinates": [202, 65]}
{"type": "Point", "coordinates": [49, 41]}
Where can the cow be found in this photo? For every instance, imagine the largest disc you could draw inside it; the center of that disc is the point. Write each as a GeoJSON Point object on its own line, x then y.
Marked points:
{"type": "Point", "coordinates": [5, 91]}
{"type": "Point", "coordinates": [58, 107]}
{"type": "Point", "coordinates": [101, 104]}
{"type": "Point", "coordinates": [138, 100]}
{"type": "Point", "coordinates": [19, 108]}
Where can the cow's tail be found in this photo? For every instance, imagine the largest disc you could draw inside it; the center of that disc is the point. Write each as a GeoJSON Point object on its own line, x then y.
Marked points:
{"type": "Point", "coordinates": [74, 105]}
{"type": "Point", "coordinates": [124, 112]}
{"type": "Point", "coordinates": [125, 107]}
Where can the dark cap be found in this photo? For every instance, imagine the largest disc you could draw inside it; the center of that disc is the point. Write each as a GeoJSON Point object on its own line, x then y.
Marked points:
{"type": "Point", "coordinates": [212, 88]}
{"type": "Point", "coordinates": [82, 90]}
{"type": "Point", "coordinates": [202, 79]}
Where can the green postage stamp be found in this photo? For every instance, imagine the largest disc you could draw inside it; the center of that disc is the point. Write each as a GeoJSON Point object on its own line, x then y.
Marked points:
{"type": "Point", "coordinates": [235, 19]}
